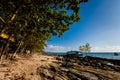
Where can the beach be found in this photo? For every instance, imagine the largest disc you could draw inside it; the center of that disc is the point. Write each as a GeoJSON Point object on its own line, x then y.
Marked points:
{"type": "Point", "coordinates": [53, 67]}
{"type": "Point", "coordinates": [24, 67]}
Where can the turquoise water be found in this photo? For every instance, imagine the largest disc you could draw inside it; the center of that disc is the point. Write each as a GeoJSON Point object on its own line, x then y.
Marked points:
{"type": "Point", "coordinates": [109, 55]}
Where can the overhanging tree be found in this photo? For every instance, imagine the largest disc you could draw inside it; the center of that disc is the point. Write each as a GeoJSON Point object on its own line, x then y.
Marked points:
{"type": "Point", "coordinates": [32, 22]}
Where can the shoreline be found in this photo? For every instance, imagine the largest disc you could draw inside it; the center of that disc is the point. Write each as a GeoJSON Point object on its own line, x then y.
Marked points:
{"type": "Point", "coordinates": [52, 67]}
{"type": "Point", "coordinates": [106, 55]}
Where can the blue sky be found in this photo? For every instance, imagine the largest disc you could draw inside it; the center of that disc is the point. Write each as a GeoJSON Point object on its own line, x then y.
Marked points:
{"type": "Point", "coordinates": [99, 26]}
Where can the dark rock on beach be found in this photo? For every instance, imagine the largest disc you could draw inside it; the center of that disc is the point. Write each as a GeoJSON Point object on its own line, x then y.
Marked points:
{"type": "Point", "coordinates": [87, 68]}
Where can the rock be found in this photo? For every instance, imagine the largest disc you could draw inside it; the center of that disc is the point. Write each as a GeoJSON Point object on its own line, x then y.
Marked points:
{"type": "Point", "coordinates": [59, 77]}
{"type": "Point", "coordinates": [76, 73]}
{"type": "Point", "coordinates": [44, 72]}
{"type": "Point", "coordinates": [64, 69]}
{"type": "Point", "coordinates": [73, 77]}
{"type": "Point", "coordinates": [52, 68]}
{"type": "Point", "coordinates": [110, 64]}
{"type": "Point", "coordinates": [68, 69]}
{"type": "Point", "coordinates": [83, 75]}
{"type": "Point", "coordinates": [101, 77]}
{"type": "Point", "coordinates": [47, 73]}
{"type": "Point", "coordinates": [67, 64]}
{"type": "Point", "coordinates": [59, 58]}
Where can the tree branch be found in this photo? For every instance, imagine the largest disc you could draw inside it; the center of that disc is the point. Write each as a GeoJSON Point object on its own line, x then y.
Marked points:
{"type": "Point", "coordinates": [14, 15]}
{"type": "Point", "coordinates": [2, 20]}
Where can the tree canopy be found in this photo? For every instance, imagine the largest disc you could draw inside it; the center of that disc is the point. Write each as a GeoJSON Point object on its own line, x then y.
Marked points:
{"type": "Point", "coordinates": [32, 22]}
{"type": "Point", "coordinates": [85, 48]}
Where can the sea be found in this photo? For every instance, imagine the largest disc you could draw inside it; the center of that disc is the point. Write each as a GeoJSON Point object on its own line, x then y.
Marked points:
{"type": "Point", "coordinates": [107, 55]}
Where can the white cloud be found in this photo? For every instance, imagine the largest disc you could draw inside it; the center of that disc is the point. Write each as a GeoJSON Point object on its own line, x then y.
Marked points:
{"type": "Point", "coordinates": [106, 49]}
{"type": "Point", "coordinates": [53, 48]}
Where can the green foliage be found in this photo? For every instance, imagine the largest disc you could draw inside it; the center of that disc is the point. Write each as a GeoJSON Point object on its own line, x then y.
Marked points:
{"type": "Point", "coordinates": [85, 48]}
{"type": "Point", "coordinates": [32, 22]}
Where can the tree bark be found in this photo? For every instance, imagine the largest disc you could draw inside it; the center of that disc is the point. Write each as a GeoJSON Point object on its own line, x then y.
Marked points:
{"type": "Point", "coordinates": [16, 50]}
{"type": "Point", "coordinates": [23, 49]}
{"type": "Point", "coordinates": [5, 47]}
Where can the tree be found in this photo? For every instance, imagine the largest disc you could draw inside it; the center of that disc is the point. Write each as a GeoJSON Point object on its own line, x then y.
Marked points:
{"type": "Point", "coordinates": [81, 48]}
{"type": "Point", "coordinates": [32, 22]}
{"type": "Point", "coordinates": [85, 48]}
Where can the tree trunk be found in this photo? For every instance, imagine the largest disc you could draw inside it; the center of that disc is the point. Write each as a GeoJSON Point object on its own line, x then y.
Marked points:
{"type": "Point", "coordinates": [5, 50]}
{"type": "Point", "coordinates": [17, 48]}
{"type": "Point", "coordinates": [5, 47]}
{"type": "Point", "coordinates": [1, 50]}
{"type": "Point", "coordinates": [16, 51]}
{"type": "Point", "coordinates": [23, 49]}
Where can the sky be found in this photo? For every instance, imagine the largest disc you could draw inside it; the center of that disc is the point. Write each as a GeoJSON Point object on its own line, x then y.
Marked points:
{"type": "Point", "coordinates": [99, 26]}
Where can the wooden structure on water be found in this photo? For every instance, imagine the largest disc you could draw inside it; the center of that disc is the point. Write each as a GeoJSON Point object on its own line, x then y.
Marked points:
{"type": "Point", "coordinates": [73, 54]}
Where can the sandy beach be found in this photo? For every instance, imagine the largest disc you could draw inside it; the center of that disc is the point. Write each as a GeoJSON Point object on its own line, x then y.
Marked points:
{"type": "Point", "coordinates": [46, 67]}
{"type": "Point", "coordinates": [24, 68]}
